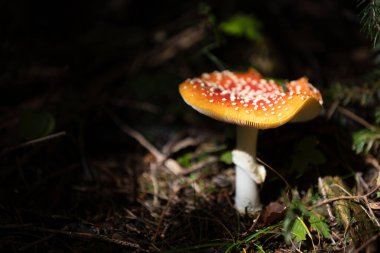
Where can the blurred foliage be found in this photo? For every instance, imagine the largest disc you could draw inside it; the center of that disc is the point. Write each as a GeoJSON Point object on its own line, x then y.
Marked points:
{"type": "Point", "coordinates": [306, 154]}
{"type": "Point", "coordinates": [366, 140]}
{"type": "Point", "coordinates": [226, 157]}
{"type": "Point", "coordinates": [366, 95]}
{"type": "Point", "coordinates": [35, 124]}
{"type": "Point", "coordinates": [155, 86]}
{"type": "Point", "coordinates": [367, 92]}
{"type": "Point", "coordinates": [185, 160]}
{"type": "Point", "coordinates": [377, 115]}
{"type": "Point", "coordinates": [370, 18]}
{"type": "Point", "coordinates": [242, 25]}
{"type": "Point", "coordinates": [205, 9]}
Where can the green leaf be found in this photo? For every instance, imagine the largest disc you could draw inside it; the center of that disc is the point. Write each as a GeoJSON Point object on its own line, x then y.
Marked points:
{"type": "Point", "coordinates": [242, 25]}
{"type": "Point", "coordinates": [204, 8]}
{"type": "Point", "coordinates": [319, 225]}
{"type": "Point", "coordinates": [226, 157]}
{"type": "Point", "coordinates": [185, 160]}
{"type": "Point", "coordinates": [306, 153]}
{"type": "Point", "coordinates": [259, 248]}
{"type": "Point", "coordinates": [35, 124]}
{"type": "Point", "coordinates": [294, 227]}
{"type": "Point", "coordinates": [299, 230]}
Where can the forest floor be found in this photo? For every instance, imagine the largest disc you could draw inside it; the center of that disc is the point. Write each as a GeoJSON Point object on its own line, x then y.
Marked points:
{"type": "Point", "coordinates": [122, 185]}
{"type": "Point", "coordinates": [99, 153]}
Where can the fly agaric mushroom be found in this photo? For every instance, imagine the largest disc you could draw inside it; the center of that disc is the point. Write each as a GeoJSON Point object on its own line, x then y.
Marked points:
{"type": "Point", "coordinates": [251, 102]}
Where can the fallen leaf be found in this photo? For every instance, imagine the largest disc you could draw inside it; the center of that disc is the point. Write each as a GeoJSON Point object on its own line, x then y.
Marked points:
{"type": "Point", "coordinates": [273, 211]}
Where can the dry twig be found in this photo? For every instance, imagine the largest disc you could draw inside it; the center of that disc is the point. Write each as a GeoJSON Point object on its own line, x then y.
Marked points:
{"type": "Point", "coordinates": [356, 118]}
{"type": "Point", "coordinates": [275, 172]}
{"type": "Point", "coordinates": [323, 192]}
{"type": "Point", "coordinates": [72, 234]}
{"type": "Point", "coordinates": [32, 142]}
{"type": "Point", "coordinates": [355, 197]}
{"type": "Point", "coordinates": [373, 161]}
{"type": "Point", "coordinates": [171, 164]}
{"type": "Point", "coordinates": [171, 47]}
{"type": "Point", "coordinates": [367, 243]}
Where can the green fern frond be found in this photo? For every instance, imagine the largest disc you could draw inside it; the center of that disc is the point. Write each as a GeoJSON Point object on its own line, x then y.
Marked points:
{"type": "Point", "coordinates": [370, 18]}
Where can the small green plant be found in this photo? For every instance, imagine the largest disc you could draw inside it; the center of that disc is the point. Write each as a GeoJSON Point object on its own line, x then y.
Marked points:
{"type": "Point", "coordinates": [205, 10]}
{"type": "Point", "coordinates": [226, 157]}
{"type": "Point", "coordinates": [244, 26]}
{"type": "Point", "coordinates": [253, 239]}
{"type": "Point", "coordinates": [185, 160]}
{"type": "Point", "coordinates": [299, 222]}
{"type": "Point", "coordinates": [35, 124]}
{"type": "Point", "coordinates": [367, 96]}
{"type": "Point", "coordinates": [364, 94]}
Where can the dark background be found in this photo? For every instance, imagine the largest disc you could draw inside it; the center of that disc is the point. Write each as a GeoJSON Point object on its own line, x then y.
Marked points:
{"type": "Point", "coordinates": [80, 60]}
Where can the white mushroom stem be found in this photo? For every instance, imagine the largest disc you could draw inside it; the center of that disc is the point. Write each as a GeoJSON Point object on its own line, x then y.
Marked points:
{"type": "Point", "coordinates": [248, 172]}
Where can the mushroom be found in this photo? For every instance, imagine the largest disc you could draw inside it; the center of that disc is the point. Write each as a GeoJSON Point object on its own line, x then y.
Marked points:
{"type": "Point", "coordinates": [251, 102]}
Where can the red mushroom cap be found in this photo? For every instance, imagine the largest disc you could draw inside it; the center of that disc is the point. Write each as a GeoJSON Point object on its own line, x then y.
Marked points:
{"type": "Point", "coordinates": [248, 99]}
